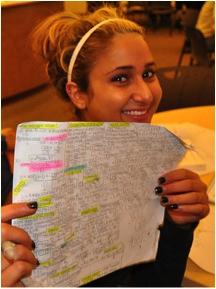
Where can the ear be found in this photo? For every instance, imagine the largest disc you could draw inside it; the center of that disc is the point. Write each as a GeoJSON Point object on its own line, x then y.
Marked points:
{"type": "Point", "coordinates": [78, 97]}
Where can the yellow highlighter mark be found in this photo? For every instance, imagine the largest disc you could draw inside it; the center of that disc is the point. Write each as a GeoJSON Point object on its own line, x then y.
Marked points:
{"type": "Point", "coordinates": [112, 249]}
{"type": "Point", "coordinates": [91, 277]}
{"type": "Point", "coordinates": [52, 230]}
{"type": "Point", "coordinates": [89, 211]}
{"type": "Point", "coordinates": [18, 188]}
{"type": "Point", "coordinates": [84, 124]}
{"type": "Point", "coordinates": [70, 237]}
{"type": "Point", "coordinates": [40, 126]}
{"type": "Point", "coordinates": [64, 271]}
{"type": "Point", "coordinates": [46, 263]}
{"type": "Point", "coordinates": [119, 124]}
{"type": "Point", "coordinates": [40, 215]}
{"type": "Point", "coordinates": [91, 179]}
{"type": "Point", "coordinates": [67, 239]}
{"type": "Point", "coordinates": [45, 201]}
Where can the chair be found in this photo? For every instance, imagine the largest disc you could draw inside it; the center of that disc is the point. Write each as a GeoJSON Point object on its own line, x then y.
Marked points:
{"type": "Point", "coordinates": [138, 12]}
{"type": "Point", "coordinates": [161, 10]}
{"type": "Point", "coordinates": [194, 86]}
{"type": "Point", "coordinates": [189, 20]}
{"type": "Point", "coordinates": [200, 53]}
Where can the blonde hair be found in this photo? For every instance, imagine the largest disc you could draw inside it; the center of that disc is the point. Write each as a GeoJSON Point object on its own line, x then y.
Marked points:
{"type": "Point", "coordinates": [56, 38]}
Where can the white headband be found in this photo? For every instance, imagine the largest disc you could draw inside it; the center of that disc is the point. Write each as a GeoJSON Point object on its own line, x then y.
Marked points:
{"type": "Point", "coordinates": [80, 44]}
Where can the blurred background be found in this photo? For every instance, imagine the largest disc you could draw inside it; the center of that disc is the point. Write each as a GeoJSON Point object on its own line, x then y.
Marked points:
{"type": "Point", "coordinates": [182, 38]}
{"type": "Point", "coordinates": [185, 62]}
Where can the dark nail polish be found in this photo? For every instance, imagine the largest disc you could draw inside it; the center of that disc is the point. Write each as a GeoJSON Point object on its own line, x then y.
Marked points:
{"type": "Point", "coordinates": [38, 263]}
{"type": "Point", "coordinates": [164, 200]}
{"type": "Point", "coordinates": [33, 245]}
{"type": "Point", "coordinates": [161, 180]}
{"type": "Point", "coordinates": [32, 205]}
{"type": "Point", "coordinates": [173, 206]}
{"type": "Point", "coordinates": [158, 190]}
{"type": "Point", "coordinates": [160, 227]}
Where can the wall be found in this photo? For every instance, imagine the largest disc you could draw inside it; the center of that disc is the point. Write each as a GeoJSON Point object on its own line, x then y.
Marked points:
{"type": "Point", "coordinates": [79, 7]}
{"type": "Point", "coordinates": [20, 70]}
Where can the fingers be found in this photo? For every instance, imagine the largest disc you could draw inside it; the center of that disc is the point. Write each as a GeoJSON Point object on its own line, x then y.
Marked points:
{"type": "Point", "coordinates": [181, 219]}
{"type": "Point", "coordinates": [184, 196]}
{"type": "Point", "coordinates": [187, 185]}
{"type": "Point", "coordinates": [16, 235]}
{"type": "Point", "coordinates": [183, 199]}
{"type": "Point", "coordinates": [15, 272]}
{"type": "Point", "coordinates": [17, 210]}
{"type": "Point", "coordinates": [199, 210]}
{"type": "Point", "coordinates": [184, 214]}
{"type": "Point", "coordinates": [23, 260]}
{"type": "Point", "coordinates": [179, 174]}
{"type": "Point", "coordinates": [21, 253]}
{"type": "Point", "coordinates": [5, 262]}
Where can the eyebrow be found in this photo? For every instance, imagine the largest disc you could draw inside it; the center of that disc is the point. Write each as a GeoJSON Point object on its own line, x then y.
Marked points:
{"type": "Point", "coordinates": [126, 67]}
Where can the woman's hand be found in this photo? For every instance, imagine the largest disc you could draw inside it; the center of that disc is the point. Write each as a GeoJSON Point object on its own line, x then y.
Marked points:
{"type": "Point", "coordinates": [183, 195]}
{"type": "Point", "coordinates": [22, 261]}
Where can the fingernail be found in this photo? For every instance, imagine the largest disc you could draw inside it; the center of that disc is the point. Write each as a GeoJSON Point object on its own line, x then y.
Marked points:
{"type": "Point", "coordinates": [32, 205]}
{"type": "Point", "coordinates": [160, 227]}
{"type": "Point", "coordinates": [158, 190]}
{"type": "Point", "coordinates": [38, 263]}
{"type": "Point", "coordinates": [173, 206]}
{"type": "Point", "coordinates": [164, 200]}
{"type": "Point", "coordinates": [161, 180]}
{"type": "Point", "coordinates": [33, 245]}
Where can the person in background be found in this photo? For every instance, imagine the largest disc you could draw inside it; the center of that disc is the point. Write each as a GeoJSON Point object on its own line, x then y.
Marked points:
{"type": "Point", "coordinates": [103, 65]}
{"type": "Point", "coordinates": [206, 23]}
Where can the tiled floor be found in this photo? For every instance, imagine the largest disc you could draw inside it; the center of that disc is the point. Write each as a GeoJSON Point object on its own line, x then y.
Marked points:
{"type": "Point", "coordinates": [46, 105]}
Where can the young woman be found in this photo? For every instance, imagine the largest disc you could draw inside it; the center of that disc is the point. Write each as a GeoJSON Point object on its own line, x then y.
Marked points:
{"type": "Point", "coordinates": [103, 65]}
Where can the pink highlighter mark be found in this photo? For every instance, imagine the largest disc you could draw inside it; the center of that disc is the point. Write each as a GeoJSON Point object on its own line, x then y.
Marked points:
{"type": "Point", "coordinates": [43, 166]}
{"type": "Point", "coordinates": [59, 137]}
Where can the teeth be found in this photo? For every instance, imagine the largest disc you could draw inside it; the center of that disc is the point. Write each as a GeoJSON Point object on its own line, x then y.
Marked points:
{"type": "Point", "coordinates": [134, 112]}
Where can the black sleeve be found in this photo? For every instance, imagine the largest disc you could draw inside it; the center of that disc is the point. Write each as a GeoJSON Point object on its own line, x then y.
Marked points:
{"type": "Point", "coordinates": [170, 264]}
{"type": "Point", "coordinates": [6, 175]}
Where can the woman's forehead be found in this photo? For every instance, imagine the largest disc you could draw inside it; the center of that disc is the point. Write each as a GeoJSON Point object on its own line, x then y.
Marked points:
{"type": "Point", "coordinates": [125, 50]}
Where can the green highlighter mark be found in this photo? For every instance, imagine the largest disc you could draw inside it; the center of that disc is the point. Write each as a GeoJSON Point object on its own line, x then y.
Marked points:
{"type": "Point", "coordinates": [74, 170]}
{"type": "Point", "coordinates": [40, 126]}
{"type": "Point", "coordinates": [18, 188]}
{"type": "Point", "coordinates": [84, 124]}
{"type": "Point", "coordinates": [52, 230]}
{"type": "Point", "coordinates": [89, 211]}
{"type": "Point", "coordinates": [46, 263]}
{"type": "Point", "coordinates": [119, 124]}
{"type": "Point", "coordinates": [45, 201]}
{"type": "Point", "coordinates": [64, 271]}
{"type": "Point", "coordinates": [91, 179]}
{"type": "Point", "coordinates": [91, 277]}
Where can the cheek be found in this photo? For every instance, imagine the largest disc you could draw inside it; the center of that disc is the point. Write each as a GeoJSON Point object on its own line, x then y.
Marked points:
{"type": "Point", "coordinates": [156, 91]}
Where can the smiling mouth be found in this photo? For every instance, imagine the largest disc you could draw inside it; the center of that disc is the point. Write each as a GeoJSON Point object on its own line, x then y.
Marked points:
{"type": "Point", "coordinates": [135, 112]}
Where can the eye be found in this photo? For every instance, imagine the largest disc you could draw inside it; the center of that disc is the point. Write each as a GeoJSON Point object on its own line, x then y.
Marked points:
{"type": "Point", "coordinates": [149, 74]}
{"type": "Point", "coordinates": [120, 78]}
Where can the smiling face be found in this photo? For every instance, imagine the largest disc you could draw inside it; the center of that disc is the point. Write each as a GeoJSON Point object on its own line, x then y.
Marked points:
{"type": "Point", "coordinates": [122, 84]}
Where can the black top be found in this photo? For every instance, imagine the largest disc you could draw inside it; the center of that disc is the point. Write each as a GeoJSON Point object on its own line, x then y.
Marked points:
{"type": "Point", "coordinates": [6, 175]}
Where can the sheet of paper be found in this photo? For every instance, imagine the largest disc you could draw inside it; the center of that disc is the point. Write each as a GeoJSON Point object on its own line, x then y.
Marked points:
{"type": "Point", "coordinates": [94, 183]}
{"type": "Point", "coordinates": [201, 158]}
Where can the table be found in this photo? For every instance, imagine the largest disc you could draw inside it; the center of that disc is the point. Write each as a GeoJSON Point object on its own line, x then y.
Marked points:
{"type": "Point", "coordinates": [203, 116]}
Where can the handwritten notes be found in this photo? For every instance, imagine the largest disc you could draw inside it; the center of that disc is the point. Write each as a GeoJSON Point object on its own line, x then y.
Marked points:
{"type": "Point", "coordinates": [94, 183]}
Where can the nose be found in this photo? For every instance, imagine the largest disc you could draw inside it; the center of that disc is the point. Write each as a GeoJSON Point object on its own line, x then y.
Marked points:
{"type": "Point", "coordinates": [141, 92]}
